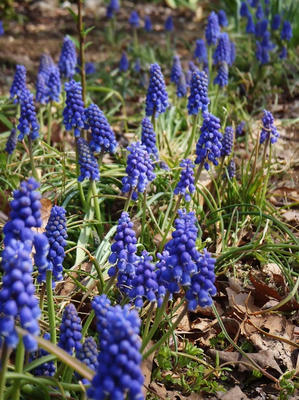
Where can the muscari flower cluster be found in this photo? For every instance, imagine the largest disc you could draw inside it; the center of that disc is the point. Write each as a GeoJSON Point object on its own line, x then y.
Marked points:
{"type": "Point", "coordinates": [148, 138]}
{"type": "Point", "coordinates": [88, 354]}
{"type": "Point", "coordinates": [48, 85]}
{"type": "Point", "coordinates": [46, 369]}
{"type": "Point", "coordinates": [148, 27]}
{"type": "Point", "coordinates": [89, 168]}
{"type": "Point", "coordinates": [73, 113]}
{"type": "Point", "coordinates": [222, 18]}
{"type": "Point", "coordinates": [198, 98]}
{"type": "Point", "coordinates": [19, 83]}
{"type": "Point", "coordinates": [181, 90]}
{"type": "Point", "coordinates": [134, 19]}
{"type": "Point", "coordinates": [123, 63]}
{"type": "Point", "coordinates": [157, 97]}
{"type": "Point", "coordinates": [70, 330]}
{"type": "Point", "coordinates": [139, 170]}
{"type": "Point", "coordinates": [112, 8]}
{"type": "Point", "coordinates": [240, 129]}
{"type": "Point", "coordinates": [209, 143]}
{"type": "Point", "coordinates": [68, 59]}
{"type": "Point", "coordinates": [17, 300]}
{"type": "Point", "coordinates": [1, 29]}
{"type": "Point", "coordinates": [28, 125]}
{"type": "Point", "coordinates": [186, 185]}
{"type": "Point", "coordinates": [200, 52]}
{"type": "Point", "coordinates": [212, 29]}
{"type": "Point", "coordinates": [169, 24]}
{"type": "Point", "coordinates": [102, 136]}
{"type": "Point", "coordinates": [176, 70]}
{"type": "Point", "coordinates": [11, 141]}
{"type": "Point", "coordinates": [231, 168]}
{"type": "Point", "coordinates": [223, 56]}
{"type": "Point", "coordinates": [53, 84]}
{"type": "Point", "coordinates": [118, 375]}
{"type": "Point", "coordinates": [269, 130]}
{"type": "Point", "coordinates": [227, 141]}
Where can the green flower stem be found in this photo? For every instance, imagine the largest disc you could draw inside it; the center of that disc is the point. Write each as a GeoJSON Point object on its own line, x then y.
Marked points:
{"type": "Point", "coordinates": [135, 40]}
{"type": "Point", "coordinates": [265, 184]}
{"type": "Point", "coordinates": [99, 272]}
{"type": "Point", "coordinates": [167, 333]}
{"type": "Point", "coordinates": [174, 214]}
{"type": "Point", "coordinates": [126, 207]}
{"type": "Point", "coordinates": [4, 363]}
{"type": "Point", "coordinates": [51, 309]}
{"type": "Point", "coordinates": [19, 362]}
{"type": "Point", "coordinates": [199, 169]}
{"type": "Point", "coordinates": [215, 101]}
{"type": "Point", "coordinates": [87, 323]}
{"type": "Point", "coordinates": [110, 284]}
{"type": "Point", "coordinates": [79, 184]}
{"type": "Point", "coordinates": [148, 319]}
{"type": "Point", "coordinates": [143, 230]}
{"type": "Point", "coordinates": [96, 207]}
{"type": "Point", "coordinates": [33, 169]}
{"type": "Point", "coordinates": [158, 319]}
{"type": "Point", "coordinates": [49, 122]}
{"type": "Point", "coordinates": [191, 139]}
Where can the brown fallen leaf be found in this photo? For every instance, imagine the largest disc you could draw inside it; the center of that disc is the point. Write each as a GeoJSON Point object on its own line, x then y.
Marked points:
{"type": "Point", "coordinates": [234, 393]}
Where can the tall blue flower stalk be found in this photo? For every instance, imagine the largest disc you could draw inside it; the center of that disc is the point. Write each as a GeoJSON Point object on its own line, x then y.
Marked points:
{"type": "Point", "coordinates": [212, 31]}
{"type": "Point", "coordinates": [157, 97]}
{"type": "Point", "coordinates": [19, 84]}
{"type": "Point", "coordinates": [148, 138]}
{"type": "Point", "coordinates": [73, 113]}
{"type": "Point", "coordinates": [112, 8]}
{"type": "Point", "coordinates": [200, 52]}
{"type": "Point", "coordinates": [28, 125]}
{"type": "Point", "coordinates": [89, 168]}
{"type": "Point", "coordinates": [70, 330]}
{"type": "Point", "coordinates": [11, 141]}
{"type": "Point", "coordinates": [186, 186]}
{"type": "Point", "coordinates": [198, 98]}
{"type": "Point", "coordinates": [269, 131]}
{"type": "Point", "coordinates": [227, 141]}
{"type": "Point", "coordinates": [68, 59]}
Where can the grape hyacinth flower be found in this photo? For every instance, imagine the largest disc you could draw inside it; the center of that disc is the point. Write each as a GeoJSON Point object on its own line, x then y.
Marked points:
{"type": "Point", "coordinates": [148, 138]}
{"type": "Point", "coordinates": [266, 41]}
{"type": "Point", "coordinates": [56, 233]}
{"type": "Point", "coordinates": [250, 27]}
{"type": "Point", "coordinates": [231, 169]}
{"type": "Point", "coordinates": [260, 28]}
{"type": "Point", "coordinates": [89, 168]}
{"type": "Point", "coordinates": [222, 18]}
{"type": "Point", "coordinates": [262, 53]}
{"type": "Point", "coordinates": [244, 11]}
{"type": "Point", "coordinates": [157, 97]}
{"type": "Point", "coordinates": [202, 283]}
{"type": "Point", "coordinates": [253, 3]}
{"type": "Point", "coordinates": [123, 63]}
{"type": "Point", "coordinates": [139, 170]}
{"type": "Point", "coordinates": [134, 19]}
{"type": "Point", "coordinates": [232, 53]}
{"type": "Point", "coordinates": [119, 372]}
{"type": "Point", "coordinates": [112, 8]}
{"type": "Point", "coordinates": [68, 59]}
{"type": "Point", "coordinates": [222, 75]}
{"type": "Point", "coordinates": [41, 245]}
{"type": "Point", "coordinates": [19, 83]}
{"type": "Point", "coordinates": [181, 86]}
{"type": "Point", "coordinates": [227, 141]}
{"type": "Point", "coordinates": [192, 68]}
{"type": "Point", "coordinates": [101, 305]}
{"type": "Point", "coordinates": [276, 22]}
{"type": "Point", "coordinates": [182, 255]}
{"type": "Point", "coordinates": [186, 186]}
{"type": "Point", "coordinates": [169, 24]}
{"type": "Point", "coordinates": [284, 53]}
{"type": "Point", "coordinates": [148, 27]}
{"type": "Point", "coordinates": [198, 98]}
{"type": "Point", "coordinates": [102, 136]}
{"type": "Point", "coordinates": [176, 70]}
{"type": "Point", "coordinates": [222, 51]}
{"type": "Point", "coordinates": [212, 29]}
{"type": "Point", "coordinates": [201, 51]}
{"type": "Point", "coordinates": [28, 125]}
{"type": "Point", "coordinates": [259, 12]}
{"type": "Point", "coordinates": [47, 368]}
{"type": "Point", "coordinates": [209, 143]}
{"type": "Point", "coordinates": [240, 129]}
{"type": "Point", "coordinates": [124, 248]}
{"type": "Point", "coordinates": [53, 84]}
{"type": "Point", "coordinates": [88, 354]}
{"type": "Point", "coordinates": [286, 31]}
{"type": "Point", "coordinates": [17, 300]}
{"type": "Point", "coordinates": [73, 113]}
{"type": "Point", "coordinates": [269, 130]}
{"type": "Point", "coordinates": [45, 64]}
{"type": "Point", "coordinates": [41, 91]}
{"type": "Point", "coordinates": [144, 284]}
{"type": "Point", "coordinates": [11, 141]}
{"type": "Point", "coordinates": [70, 330]}
{"type": "Point", "coordinates": [1, 29]}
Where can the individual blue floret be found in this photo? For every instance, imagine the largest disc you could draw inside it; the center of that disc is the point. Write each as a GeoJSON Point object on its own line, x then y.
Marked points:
{"type": "Point", "coordinates": [227, 141]}
{"type": "Point", "coordinates": [148, 138]}
{"type": "Point", "coordinates": [198, 98]}
{"type": "Point", "coordinates": [73, 113]}
{"type": "Point", "coordinates": [139, 170]}
{"type": "Point", "coordinates": [70, 330]}
{"type": "Point", "coordinates": [169, 24]}
{"type": "Point", "coordinates": [19, 83]}
{"type": "Point", "coordinates": [156, 97]}
{"type": "Point", "coordinates": [11, 141]}
{"type": "Point", "coordinates": [102, 136]}
{"type": "Point", "coordinates": [269, 130]}
{"type": "Point", "coordinates": [208, 147]}
{"type": "Point", "coordinates": [89, 168]}
{"type": "Point", "coordinates": [68, 59]}
{"type": "Point", "coordinates": [144, 284]}
{"type": "Point", "coordinates": [186, 186]}
{"type": "Point", "coordinates": [148, 27]}
{"type": "Point", "coordinates": [222, 18]}
{"type": "Point", "coordinates": [276, 22]}
{"type": "Point", "coordinates": [201, 51]}
{"type": "Point", "coordinates": [286, 31]}
{"type": "Point", "coordinates": [47, 368]}
{"type": "Point", "coordinates": [212, 29]}
{"type": "Point", "coordinates": [119, 374]}
{"type": "Point", "coordinates": [202, 283]}
{"type": "Point", "coordinates": [28, 125]}
{"type": "Point", "coordinates": [123, 62]}
{"type": "Point", "coordinates": [134, 19]}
